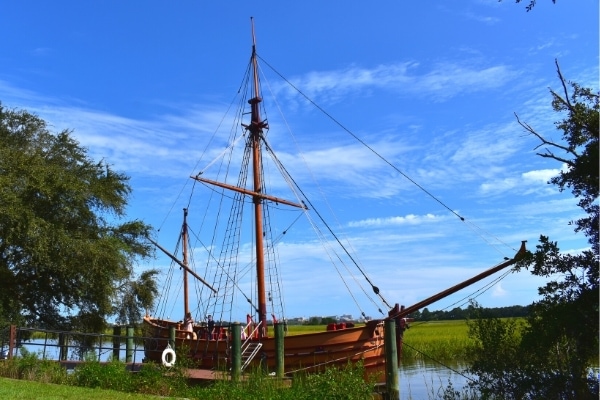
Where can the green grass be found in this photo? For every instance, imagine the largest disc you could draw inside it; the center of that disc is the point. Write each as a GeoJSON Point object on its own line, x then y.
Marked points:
{"type": "Point", "coordinates": [24, 390]}
{"type": "Point", "coordinates": [27, 377]}
{"type": "Point", "coordinates": [440, 340]}
{"type": "Point", "coordinates": [300, 329]}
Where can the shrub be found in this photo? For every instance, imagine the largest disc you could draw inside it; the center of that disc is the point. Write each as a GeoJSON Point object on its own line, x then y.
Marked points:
{"type": "Point", "coordinates": [112, 375]}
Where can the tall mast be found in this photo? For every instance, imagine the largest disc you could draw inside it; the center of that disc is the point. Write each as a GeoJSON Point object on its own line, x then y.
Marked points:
{"type": "Point", "coordinates": [256, 130]}
{"type": "Point", "coordinates": [184, 238]}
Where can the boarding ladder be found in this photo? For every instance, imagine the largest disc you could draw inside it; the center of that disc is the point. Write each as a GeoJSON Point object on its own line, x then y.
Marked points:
{"type": "Point", "coordinates": [250, 348]}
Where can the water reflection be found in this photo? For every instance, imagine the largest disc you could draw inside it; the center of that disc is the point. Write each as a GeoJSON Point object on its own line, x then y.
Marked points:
{"type": "Point", "coordinates": [427, 380]}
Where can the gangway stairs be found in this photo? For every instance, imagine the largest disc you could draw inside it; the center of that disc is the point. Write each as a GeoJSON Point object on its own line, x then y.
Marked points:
{"type": "Point", "coordinates": [249, 350]}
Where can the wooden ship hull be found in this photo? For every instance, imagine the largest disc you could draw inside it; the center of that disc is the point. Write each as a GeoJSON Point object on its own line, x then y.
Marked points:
{"type": "Point", "coordinates": [303, 353]}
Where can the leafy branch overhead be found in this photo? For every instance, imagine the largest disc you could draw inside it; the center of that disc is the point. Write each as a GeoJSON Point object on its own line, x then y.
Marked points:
{"type": "Point", "coordinates": [579, 151]}
{"type": "Point", "coordinates": [531, 4]}
{"type": "Point", "coordinates": [64, 244]}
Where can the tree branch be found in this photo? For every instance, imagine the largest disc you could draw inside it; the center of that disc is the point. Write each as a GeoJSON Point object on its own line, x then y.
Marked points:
{"type": "Point", "coordinates": [555, 157]}
{"type": "Point", "coordinates": [564, 85]}
{"type": "Point", "coordinates": [529, 129]}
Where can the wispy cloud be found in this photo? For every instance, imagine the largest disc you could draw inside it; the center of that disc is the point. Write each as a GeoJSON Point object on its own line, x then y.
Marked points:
{"type": "Point", "coordinates": [41, 51]}
{"type": "Point", "coordinates": [486, 19]}
{"type": "Point", "coordinates": [409, 219]}
{"type": "Point", "coordinates": [499, 290]}
{"type": "Point", "coordinates": [528, 182]}
{"type": "Point", "coordinates": [156, 146]}
{"type": "Point", "coordinates": [441, 82]}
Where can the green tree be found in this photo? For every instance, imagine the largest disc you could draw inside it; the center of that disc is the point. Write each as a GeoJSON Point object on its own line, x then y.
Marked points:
{"type": "Point", "coordinates": [135, 296]}
{"type": "Point", "coordinates": [560, 340]}
{"type": "Point", "coordinates": [495, 352]}
{"type": "Point", "coordinates": [64, 247]}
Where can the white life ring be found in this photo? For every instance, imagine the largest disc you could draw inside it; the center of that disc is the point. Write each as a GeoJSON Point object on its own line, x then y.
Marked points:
{"type": "Point", "coordinates": [168, 357]}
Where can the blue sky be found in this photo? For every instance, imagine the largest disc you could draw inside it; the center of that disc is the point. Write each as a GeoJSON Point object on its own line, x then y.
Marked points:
{"type": "Point", "coordinates": [432, 87]}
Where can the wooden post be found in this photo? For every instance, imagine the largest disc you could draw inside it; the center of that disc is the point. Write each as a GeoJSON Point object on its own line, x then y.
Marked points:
{"type": "Point", "coordinates": [172, 337]}
{"type": "Point", "coordinates": [279, 350]}
{"type": "Point", "coordinates": [129, 345]}
{"type": "Point", "coordinates": [391, 361]}
{"type": "Point", "coordinates": [116, 342]}
{"type": "Point", "coordinates": [45, 344]}
{"type": "Point", "coordinates": [62, 346]}
{"type": "Point", "coordinates": [236, 351]}
{"type": "Point", "coordinates": [12, 340]}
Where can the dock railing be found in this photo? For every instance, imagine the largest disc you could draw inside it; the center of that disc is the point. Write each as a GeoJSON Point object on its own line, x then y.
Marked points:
{"type": "Point", "coordinates": [70, 347]}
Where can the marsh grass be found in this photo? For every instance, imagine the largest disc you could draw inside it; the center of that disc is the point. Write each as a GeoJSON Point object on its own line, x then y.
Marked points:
{"type": "Point", "coordinates": [300, 329]}
{"type": "Point", "coordinates": [438, 340]}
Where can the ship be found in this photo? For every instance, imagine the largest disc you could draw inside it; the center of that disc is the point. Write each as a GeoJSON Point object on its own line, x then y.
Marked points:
{"type": "Point", "coordinates": [230, 262]}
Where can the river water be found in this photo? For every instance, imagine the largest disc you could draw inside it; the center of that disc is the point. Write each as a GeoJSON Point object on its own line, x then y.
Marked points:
{"type": "Point", "coordinates": [427, 380]}
{"type": "Point", "coordinates": [418, 380]}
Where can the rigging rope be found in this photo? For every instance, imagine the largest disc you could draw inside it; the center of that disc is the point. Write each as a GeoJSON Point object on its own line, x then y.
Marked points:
{"type": "Point", "coordinates": [361, 141]}
{"type": "Point", "coordinates": [226, 278]}
{"type": "Point", "coordinates": [292, 185]}
{"type": "Point", "coordinates": [477, 230]}
{"type": "Point", "coordinates": [471, 296]}
{"type": "Point", "coordinates": [375, 288]}
{"type": "Point", "coordinates": [295, 186]}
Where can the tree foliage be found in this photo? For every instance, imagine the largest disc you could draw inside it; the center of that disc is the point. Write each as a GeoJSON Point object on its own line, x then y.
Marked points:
{"type": "Point", "coordinates": [560, 340]}
{"type": "Point", "coordinates": [135, 296]}
{"type": "Point", "coordinates": [64, 248]}
{"type": "Point", "coordinates": [495, 351]}
{"type": "Point", "coordinates": [465, 313]}
{"type": "Point", "coordinates": [531, 4]}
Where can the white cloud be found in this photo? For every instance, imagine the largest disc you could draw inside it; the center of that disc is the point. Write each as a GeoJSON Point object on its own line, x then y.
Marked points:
{"type": "Point", "coordinates": [538, 176]}
{"type": "Point", "coordinates": [499, 291]}
{"type": "Point", "coordinates": [535, 181]}
{"type": "Point", "coordinates": [410, 219]}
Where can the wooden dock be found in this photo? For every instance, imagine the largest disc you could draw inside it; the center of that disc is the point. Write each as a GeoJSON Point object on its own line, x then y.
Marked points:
{"type": "Point", "coordinates": [206, 377]}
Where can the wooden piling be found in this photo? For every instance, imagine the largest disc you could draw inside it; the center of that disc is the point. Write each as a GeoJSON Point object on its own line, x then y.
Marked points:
{"type": "Point", "coordinates": [116, 342]}
{"type": "Point", "coordinates": [12, 340]}
{"type": "Point", "coordinates": [172, 337]}
{"type": "Point", "coordinates": [391, 361]}
{"type": "Point", "coordinates": [236, 351]}
{"type": "Point", "coordinates": [63, 348]}
{"type": "Point", "coordinates": [129, 345]}
{"type": "Point", "coordinates": [279, 350]}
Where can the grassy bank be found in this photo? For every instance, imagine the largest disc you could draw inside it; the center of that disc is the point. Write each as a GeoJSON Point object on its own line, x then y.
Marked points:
{"type": "Point", "coordinates": [29, 390]}
{"type": "Point", "coordinates": [27, 377]}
